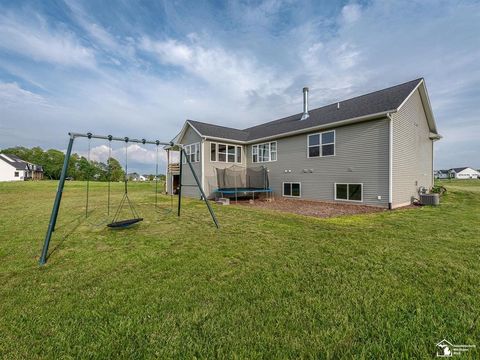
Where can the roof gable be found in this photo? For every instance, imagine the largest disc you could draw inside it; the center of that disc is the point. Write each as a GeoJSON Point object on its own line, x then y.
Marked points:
{"type": "Point", "coordinates": [460, 169]}
{"type": "Point", "coordinates": [14, 161]}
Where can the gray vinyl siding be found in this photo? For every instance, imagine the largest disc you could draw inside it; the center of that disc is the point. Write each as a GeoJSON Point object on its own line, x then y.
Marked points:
{"type": "Point", "coordinates": [412, 164]}
{"type": "Point", "coordinates": [210, 175]}
{"type": "Point", "coordinates": [361, 156]}
{"type": "Point", "coordinates": [191, 137]}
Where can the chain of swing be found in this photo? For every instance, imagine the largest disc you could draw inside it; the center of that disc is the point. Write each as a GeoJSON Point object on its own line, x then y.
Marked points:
{"type": "Point", "coordinates": [116, 222]}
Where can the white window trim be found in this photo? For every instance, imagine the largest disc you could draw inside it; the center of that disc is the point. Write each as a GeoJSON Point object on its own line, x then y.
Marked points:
{"type": "Point", "coordinates": [292, 182]}
{"type": "Point", "coordinates": [216, 152]}
{"type": "Point", "coordinates": [320, 144]}
{"type": "Point", "coordinates": [342, 183]}
{"type": "Point", "coordinates": [269, 152]}
{"type": "Point", "coordinates": [238, 149]}
{"type": "Point", "coordinates": [190, 146]}
{"type": "Point", "coordinates": [226, 153]}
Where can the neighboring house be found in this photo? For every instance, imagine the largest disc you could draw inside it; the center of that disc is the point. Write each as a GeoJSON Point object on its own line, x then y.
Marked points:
{"type": "Point", "coordinates": [442, 174]}
{"type": "Point", "coordinates": [375, 149]}
{"type": "Point", "coordinates": [12, 168]}
{"type": "Point", "coordinates": [464, 173]}
{"type": "Point", "coordinates": [135, 177]}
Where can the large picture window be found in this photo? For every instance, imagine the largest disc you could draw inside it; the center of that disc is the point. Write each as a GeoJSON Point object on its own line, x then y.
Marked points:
{"type": "Point", "coordinates": [264, 152]}
{"type": "Point", "coordinates": [225, 153]}
{"type": "Point", "coordinates": [349, 192]}
{"type": "Point", "coordinates": [291, 189]}
{"type": "Point", "coordinates": [193, 152]}
{"type": "Point", "coordinates": [321, 144]}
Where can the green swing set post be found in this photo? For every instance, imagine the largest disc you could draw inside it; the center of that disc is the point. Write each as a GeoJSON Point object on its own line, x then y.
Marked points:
{"type": "Point", "coordinates": [63, 175]}
{"type": "Point", "coordinates": [212, 213]}
{"type": "Point", "coordinates": [56, 204]}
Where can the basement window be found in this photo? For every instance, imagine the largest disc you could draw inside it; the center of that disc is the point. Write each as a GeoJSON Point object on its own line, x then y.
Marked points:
{"type": "Point", "coordinates": [349, 192]}
{"type": "Point", "coordinates": [291, 189]}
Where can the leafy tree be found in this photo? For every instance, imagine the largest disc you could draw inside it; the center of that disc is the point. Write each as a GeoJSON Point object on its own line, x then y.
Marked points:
{"type": "Point", "coordinates": [79, 168]}
{"type": "Point", "coordinates": [52, 163]}
{"type": "Point", "coordinates": [116, 170]}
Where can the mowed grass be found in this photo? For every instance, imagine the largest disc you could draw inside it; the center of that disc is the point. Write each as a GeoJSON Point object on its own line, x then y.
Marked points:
{"type": "Point", "coordinates": [266, 285]}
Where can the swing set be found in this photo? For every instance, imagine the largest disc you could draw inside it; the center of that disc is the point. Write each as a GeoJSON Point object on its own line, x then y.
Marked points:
{"type": "Point", "coordinates": [116, 222]}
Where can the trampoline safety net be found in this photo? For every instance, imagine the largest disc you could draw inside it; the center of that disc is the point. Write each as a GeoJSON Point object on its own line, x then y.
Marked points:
{"type": "Point", "coordinates": [235, 177]}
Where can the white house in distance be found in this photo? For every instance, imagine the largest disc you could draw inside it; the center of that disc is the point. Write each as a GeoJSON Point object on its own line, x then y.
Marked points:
{"type": "Point", "coordinates": [442, 174]}
{"type": "Point", "coordinates": [12, 168]}
{"type": "Point", "coordinates": [464, 173]}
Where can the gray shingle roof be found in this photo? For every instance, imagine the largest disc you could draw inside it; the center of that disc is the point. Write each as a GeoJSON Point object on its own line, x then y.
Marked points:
{"type": "Point", "coordinates": [460, 169]}
{"type": "Point", "coordinates": [220, 131]}
{"type": "Point", "coordinates": [18, 163]}
{"type": "Point", "coordinates": [381, 101]}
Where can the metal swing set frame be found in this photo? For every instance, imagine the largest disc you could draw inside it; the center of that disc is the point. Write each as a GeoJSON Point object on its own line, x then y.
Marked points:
{"type": "Point", "coordinates": [63, 175]}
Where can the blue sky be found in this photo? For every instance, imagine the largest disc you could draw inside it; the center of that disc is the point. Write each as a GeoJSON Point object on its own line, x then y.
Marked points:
{"type": "Point", "coordinates": [140, 68]}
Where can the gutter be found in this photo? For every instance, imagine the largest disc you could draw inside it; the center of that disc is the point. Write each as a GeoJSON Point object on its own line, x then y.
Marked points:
{"type": "Point", "coordinates": [306, 130]}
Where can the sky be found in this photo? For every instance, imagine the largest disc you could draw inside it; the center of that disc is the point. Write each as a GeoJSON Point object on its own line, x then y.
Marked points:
{"type": "Point", "coordinates": [141, 68]}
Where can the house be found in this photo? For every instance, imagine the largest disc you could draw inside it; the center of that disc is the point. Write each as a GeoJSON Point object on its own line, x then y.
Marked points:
{"type": "Point", "coordinates": [444, 348]}
{"type": "Point", "coordinates": [442, 174]}
{"type": "Point", "coordinates": [135, 177]}
{"type": "Point", "coordinates": [464, 173]}
{"type": "Point", "coordinates": [375, 149]}
{"type": "Point", "coordinates": [12, 168]}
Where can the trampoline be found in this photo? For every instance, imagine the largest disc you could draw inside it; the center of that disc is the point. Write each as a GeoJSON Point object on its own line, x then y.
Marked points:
{"type": "Point", "coordinates": [239, 182]}
{"type": "Point", "coordinates": [241, 191]}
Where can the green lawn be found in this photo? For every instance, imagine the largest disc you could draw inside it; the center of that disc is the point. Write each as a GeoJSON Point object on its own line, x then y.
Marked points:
{"type": "Point", "coordinates": [266, 285]}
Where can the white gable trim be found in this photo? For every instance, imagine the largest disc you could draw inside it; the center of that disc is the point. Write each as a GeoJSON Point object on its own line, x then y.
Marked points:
{"type": "Point", "coordinates": [180, 135]}
{"type": "Point", "coordinates": [422, 90]}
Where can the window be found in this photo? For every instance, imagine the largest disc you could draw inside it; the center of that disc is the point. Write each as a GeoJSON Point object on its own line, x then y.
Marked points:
{"type": "Point", "coordinates": [225, 153]}
{"type": "Point", "coordinates": [193, 152]}
{"type": "Point", "coordinates": [264, 152]}
{"type": "Point", "coordinates": [239, 154]}
{"type": "Point", "coordinates": [349, 192]}
{"type": "Point", "coordinates": [213, 152]}
{"type": "Point", "coordinates": [321, 144]}
{"type": "Point", "coordinates": [291, 189]}
{"type": "Point", "coordinates": [273, 151]}
{"type": "Point", "coordinates": [231, 153]}
{"type": "Point", "coordinates": [222, 152]}
{"type": "Point", "coordinates": [254, 153]}
{"type": "Point", "coordinates": [197, 152]}
{"type": "Point", "coordinates": [17, 174]}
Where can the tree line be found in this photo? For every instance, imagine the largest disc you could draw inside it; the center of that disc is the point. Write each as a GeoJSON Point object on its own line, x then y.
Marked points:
{"type": "Point", "coordinates": [79, 168]}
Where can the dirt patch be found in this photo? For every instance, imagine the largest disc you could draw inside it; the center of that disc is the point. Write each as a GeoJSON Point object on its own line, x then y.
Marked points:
{"type": "Point", "coordinates": [312, 208]}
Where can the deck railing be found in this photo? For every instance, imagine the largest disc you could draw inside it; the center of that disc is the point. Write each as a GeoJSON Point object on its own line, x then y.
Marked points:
{"type": "Point", "coordinates": [173, 167]}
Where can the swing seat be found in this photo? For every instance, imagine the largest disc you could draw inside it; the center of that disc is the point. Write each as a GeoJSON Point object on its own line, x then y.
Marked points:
{"type": "Point", "coordinates": [124, 223]}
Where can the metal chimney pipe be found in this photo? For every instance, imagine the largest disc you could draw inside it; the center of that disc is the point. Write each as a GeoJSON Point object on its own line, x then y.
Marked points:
{"type": "Point", "coordinates": [305, 104]}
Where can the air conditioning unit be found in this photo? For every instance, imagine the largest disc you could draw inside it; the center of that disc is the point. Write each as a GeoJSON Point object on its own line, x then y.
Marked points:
{"type": "Point", "coordinates": [430, 199]}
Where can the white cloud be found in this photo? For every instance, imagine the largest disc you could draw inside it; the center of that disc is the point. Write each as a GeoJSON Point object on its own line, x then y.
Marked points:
{"type": "Point", "coordinates": [228, 71]}
{"type": "Point", "coordinates": [351, 13]}
{"type": "Point", "coordinates": [12, 95]}
{"type": "Point", "coordinates": [31, 37]}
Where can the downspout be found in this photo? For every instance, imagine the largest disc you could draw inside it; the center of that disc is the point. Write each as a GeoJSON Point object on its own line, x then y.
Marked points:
{"type": "Point", "coordinates": [433, 166]}
{"type": "Point", "coordinates": [390, 161]}
{"type": "Point", "coordinates": [202, 159]}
